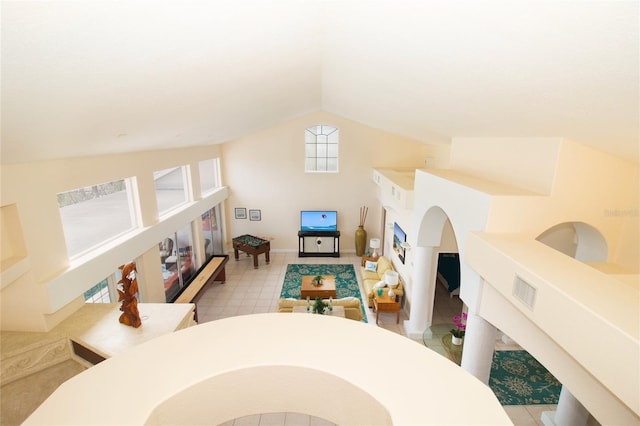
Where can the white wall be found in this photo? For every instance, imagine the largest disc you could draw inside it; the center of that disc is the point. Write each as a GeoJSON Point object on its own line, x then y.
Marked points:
{"type": "Point", "coordinates": [587, 185]}
{"type": "Point", "coordinates": [266, 171]}
{"type": "Point", "coordinates": [527, 163]}
{"type": "Point", "coordinates": [583, 186]}
{"type": "Point", "coordinates": [575, 183]}
{"type": "Point", "coordinates": [45, 287]}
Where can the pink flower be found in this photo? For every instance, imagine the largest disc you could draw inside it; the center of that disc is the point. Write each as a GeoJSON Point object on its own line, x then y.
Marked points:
{"type": "Point", "coordinates": [460, 322]}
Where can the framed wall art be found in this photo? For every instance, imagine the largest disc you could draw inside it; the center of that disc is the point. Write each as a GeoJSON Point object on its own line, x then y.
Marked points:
{"type": "Point", "coordinates": [399, 237]}
{"type": "Point", "coordinates": [241, 213]}
{"type": "Point", "coordinates": [255, 215]}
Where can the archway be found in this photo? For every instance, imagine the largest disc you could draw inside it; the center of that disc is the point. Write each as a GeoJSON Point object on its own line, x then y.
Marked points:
{"type": "Point", "coordinates": [579, 240]}
{"type": "Point", "coordinates": [436, 240]}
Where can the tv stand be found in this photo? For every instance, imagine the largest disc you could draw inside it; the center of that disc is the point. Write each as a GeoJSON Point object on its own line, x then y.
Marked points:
{"type": "Point", "coordinates": [319, 244]}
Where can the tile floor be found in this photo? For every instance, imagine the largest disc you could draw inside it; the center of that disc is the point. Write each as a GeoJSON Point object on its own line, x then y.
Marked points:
{"type": "Point", "coordinates": [248, 290]}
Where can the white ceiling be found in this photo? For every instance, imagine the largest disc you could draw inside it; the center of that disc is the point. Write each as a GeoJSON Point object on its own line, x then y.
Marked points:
{"type": "Point", "coordinates": [86, 77]}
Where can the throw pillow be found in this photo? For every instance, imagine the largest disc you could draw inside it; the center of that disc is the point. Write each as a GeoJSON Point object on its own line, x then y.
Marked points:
{"type": "Point", "coordinates": [370, 266]}
{"type": "Point", "coordinates": [379, 284]}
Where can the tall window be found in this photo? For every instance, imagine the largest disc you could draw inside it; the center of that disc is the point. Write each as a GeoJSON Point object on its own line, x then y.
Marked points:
{"type": "Point", "coordinates": [178, 261]}
{"type": "Point", "coordinates": [212, 232]}
{"type": "Point", "coordinates": [209, 175]}
{"type": "Point", "coordinates": [96, 214]}
{"type": "Point", "coordinates": [321, 149]}
{"type": "Point", "coordinates": [171, 188]}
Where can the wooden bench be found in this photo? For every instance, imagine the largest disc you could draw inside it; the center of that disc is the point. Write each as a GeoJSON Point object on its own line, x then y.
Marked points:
{"type": "Point", "coordinates": [212, 271]}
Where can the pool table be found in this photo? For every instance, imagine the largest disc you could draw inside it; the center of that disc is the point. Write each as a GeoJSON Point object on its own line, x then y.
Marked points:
{"type": "Point", "coordinates": [252, 246]}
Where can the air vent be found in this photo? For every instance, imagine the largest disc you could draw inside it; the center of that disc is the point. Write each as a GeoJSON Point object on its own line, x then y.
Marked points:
{"type": "Point", "coordinates": [525, 292]}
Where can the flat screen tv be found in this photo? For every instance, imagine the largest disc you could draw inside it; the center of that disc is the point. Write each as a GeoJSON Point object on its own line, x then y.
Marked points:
{"type": "Point", "coordinates": [318, 220]}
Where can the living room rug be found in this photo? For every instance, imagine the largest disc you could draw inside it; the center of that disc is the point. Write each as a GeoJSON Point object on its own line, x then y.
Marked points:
{"type": "Point", "coordinates": [517, 378]}
{"type": "Point", "coordinates": [346, 281]}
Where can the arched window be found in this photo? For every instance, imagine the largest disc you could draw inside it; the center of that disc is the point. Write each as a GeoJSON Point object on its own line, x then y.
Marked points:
{"type": "Point", "coordinates": [321, 149]}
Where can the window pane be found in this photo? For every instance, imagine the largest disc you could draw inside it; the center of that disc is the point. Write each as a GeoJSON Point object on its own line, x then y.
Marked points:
{"type": "Point", "coordinates": [212, 233]}
{"type": "Point", "coordinates": [208, 175]}
{"type": "Point", "coordinates": [179, 266]}
{"type": "Point", "coordinates": [321, 164]}
{"type": "Point", "coordinates": [95, 214]}
{"type": "Point", "coordinates": [207, 234]}
{"type": "Point", "coordinates": [328, 129]}
{"type": "Point", "coordinates": [169, 261]}
{"type": "Point", "coordinates": [98, 293]}
{"type": "Point", "coordinates": [186, 257]}
{"type": "Point", "coordinates": [321, 143]}
{"type": "Point", "coordinates": [310, 164]}
{"type": "Point", "coordinates": [310, 150]}
{"type": "Point", "coordinates": [170, 188]}
{"type": "Point", "coordinates": [332, 164]}
{"type": "Point", "coordinates": [309, 137]}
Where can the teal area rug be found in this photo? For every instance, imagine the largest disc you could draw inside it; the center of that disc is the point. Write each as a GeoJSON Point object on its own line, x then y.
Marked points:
{"type": "Point", "coordinates": [346, 281]}
{"type": "Point", "coordinates": [517, 378]}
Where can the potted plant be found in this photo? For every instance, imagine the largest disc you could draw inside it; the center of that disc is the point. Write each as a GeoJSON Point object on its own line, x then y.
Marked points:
{"type": "Point", "coordinates": [457, 334]}
{"type": "Point", "coordinates": [319, 306]}
{"type": "Point", "coordinates": [317, 280]}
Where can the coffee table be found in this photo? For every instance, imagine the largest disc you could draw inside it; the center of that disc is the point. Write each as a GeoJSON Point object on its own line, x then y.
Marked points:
{"type": "Point", "coordinates": [324, 291]}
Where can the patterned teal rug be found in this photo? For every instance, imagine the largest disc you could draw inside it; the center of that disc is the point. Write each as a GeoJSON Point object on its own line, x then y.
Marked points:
{"type": "Point", "coordinates": [346, 281]}
{"type": "Point", "coordinates": [517, 378]}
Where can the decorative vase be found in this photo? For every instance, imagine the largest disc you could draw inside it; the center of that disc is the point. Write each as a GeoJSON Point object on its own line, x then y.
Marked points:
{"type": "Point", "coordinates": [456, 340]}
{"type": "Point", "coordinates": [391, 293]}
{"type": "Point", "coordinates": [361, 240]}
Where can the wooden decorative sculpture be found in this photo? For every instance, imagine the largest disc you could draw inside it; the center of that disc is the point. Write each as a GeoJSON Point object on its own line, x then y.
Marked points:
{"type": "Point", "coordinates": [127, 295]}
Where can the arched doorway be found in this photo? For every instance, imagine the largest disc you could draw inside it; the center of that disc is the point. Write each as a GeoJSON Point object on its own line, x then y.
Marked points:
{"type": "Point", "coordinates": [437, 244]}
{"type": "Point", "coordinates": [446, 294]}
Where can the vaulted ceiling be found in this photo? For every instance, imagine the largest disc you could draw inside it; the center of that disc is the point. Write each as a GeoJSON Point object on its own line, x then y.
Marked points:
{"type": "Point", "coordinates": [95, 77]}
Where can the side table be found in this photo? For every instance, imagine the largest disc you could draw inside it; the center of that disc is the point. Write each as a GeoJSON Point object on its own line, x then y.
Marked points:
{"type": "Point", "coordinates": [385, 303]}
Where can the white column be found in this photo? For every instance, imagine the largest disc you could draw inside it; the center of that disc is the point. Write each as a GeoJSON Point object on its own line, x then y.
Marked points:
{"type": "Point", "coordinates": [479, 343]}
{"type": "Point", "coordinates": [570, 412]}
{"type": "Point", "coordinates": [421, 293]}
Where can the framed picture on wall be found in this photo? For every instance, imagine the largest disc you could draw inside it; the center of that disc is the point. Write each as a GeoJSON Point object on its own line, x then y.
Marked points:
{"type": "Point", "coordinates": [255, 215]}
{"type": "Point", "coordinates": [399, 237]}
{"type": "Point", "coordinates": [241, 213]}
